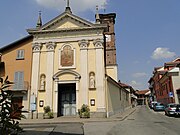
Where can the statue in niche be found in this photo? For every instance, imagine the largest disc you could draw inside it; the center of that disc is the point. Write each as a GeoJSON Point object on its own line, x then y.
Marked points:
{"type": "Point", "coordinates": [91, 80]}
{"type": "Point", "coordinates": [42, 82]}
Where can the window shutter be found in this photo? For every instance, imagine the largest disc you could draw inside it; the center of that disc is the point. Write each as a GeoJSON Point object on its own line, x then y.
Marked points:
{"type": "Point", "coordinates": [19, 80]}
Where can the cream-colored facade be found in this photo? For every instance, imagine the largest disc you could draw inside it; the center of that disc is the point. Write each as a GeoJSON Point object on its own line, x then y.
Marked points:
{"type": "Point", "coordinates": [68, 67]}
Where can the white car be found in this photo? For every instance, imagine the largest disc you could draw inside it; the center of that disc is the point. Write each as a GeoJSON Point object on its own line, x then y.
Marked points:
{"type": "Point", "coordinates": [170, 109]}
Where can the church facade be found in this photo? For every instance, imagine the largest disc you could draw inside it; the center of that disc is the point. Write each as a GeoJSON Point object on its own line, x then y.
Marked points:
{"type": "Point", "coordinates": [74, 63]}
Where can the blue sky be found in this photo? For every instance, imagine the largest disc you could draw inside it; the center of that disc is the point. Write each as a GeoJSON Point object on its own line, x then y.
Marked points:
{"type": "Point", "coordinates": [147, 31]}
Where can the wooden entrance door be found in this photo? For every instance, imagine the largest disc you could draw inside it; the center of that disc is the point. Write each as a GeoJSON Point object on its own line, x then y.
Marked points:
{"type": "Point", "coordinates": [67, 100]}
{"type": "Point", "coordinates": [16, 103]}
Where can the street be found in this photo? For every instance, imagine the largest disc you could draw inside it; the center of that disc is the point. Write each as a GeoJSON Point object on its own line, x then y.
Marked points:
{"type": "Point", "coordinates": [142, 121]}
{"type": "Point", "coordinates": [54, 129]}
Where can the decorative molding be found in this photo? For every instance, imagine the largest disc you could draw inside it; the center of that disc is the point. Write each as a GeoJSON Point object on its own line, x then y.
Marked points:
{"type": "Point", "coordinates": [36, 47]}
{"type": "Point", "coordinates": [50, 46]}
{"type": "Point", "coordinates": [59, 73]}
{"type": "Point", "coordinates": [83, 44]}
{"type": "Point", "coordinates": [98, 43]}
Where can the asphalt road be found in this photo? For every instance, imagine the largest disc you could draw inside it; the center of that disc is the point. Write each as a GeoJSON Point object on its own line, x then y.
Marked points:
{"type": "Point", "coordinates": [54, 129]}
{"type": "Point", "coordinates": [142, 122]}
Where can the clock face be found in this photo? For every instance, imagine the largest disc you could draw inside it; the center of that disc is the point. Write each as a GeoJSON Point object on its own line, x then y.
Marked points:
{"type": "Point", "coordinates": [108, 38]}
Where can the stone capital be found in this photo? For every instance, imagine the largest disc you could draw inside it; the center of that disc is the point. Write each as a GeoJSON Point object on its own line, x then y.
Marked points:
{"type": "Point", "coordinates": [83, 44]}
{"type": "Point", "coordinates": [98, 43]}
{"type": "Point", "coordinates": [36, 47]}
{"type": "Point", "coordinates": [50, 46]}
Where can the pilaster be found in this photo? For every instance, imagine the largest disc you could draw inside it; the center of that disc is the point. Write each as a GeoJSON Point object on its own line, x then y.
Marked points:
{"type": "Point", "coordinates": [35, 67]}
{"type": "Point", "coordinates": [100, 75]}
{"type": "Point", "coordinates": [50, 46]}
{"type": "Point", "coordinates": [83, 44]}
{"type": "Point", "coordinates": [36, 48]}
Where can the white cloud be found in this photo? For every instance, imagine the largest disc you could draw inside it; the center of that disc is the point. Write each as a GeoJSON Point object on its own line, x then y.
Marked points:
{"type": "Point", "coordinates": [138, 75]}
{"type": "Point", "coordinates": [161, 53]}
{"type": "Point", "coordinates": [136, 85]}
{"type": "Point", "coordinates": [76, 5]}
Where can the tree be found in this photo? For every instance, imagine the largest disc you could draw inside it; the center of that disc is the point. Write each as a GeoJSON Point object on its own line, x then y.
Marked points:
{"type": "Point", "coordinates": [8, 117]}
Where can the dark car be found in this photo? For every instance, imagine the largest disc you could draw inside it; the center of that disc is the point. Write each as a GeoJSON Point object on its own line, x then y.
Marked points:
{"type": "Point", "coordinates": [159, 107]}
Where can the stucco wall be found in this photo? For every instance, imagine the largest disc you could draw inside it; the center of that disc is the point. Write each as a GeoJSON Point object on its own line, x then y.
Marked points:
{"type": "Point", "coordinates": [13, 65]}
{"type": "Point", "coordinates": [118, 98]}
{"type": "Point", "coordinates": [176, 85]}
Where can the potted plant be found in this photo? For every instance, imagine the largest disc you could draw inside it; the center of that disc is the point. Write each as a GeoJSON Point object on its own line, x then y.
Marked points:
{"type": "Point", "coordinates": [47, 113]}
{"type": "Point", "coordinates": [84, 112]}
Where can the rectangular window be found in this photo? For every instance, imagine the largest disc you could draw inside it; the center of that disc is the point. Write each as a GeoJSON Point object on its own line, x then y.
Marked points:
{"type": "Point", "coordinates": [20, 54]}
{"type": "Point", "coordinates": [19, 80]}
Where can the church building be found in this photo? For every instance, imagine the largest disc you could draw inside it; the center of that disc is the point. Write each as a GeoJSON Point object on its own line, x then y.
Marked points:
{"type": "Point", "coordinates": [74, 63]}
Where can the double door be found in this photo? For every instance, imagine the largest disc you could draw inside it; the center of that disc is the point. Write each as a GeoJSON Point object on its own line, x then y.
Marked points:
{"type": "Point", "coordinates": [67, 99]}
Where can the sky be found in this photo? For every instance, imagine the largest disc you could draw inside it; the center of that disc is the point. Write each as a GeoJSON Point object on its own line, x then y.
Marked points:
{"type": "Point", "coordinates": [147, 31]}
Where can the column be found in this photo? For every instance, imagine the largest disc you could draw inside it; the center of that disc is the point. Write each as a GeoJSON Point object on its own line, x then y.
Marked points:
{"type": "Point", "coordinates": [83, 44]}
{"type": "Point", "coordinates": [100, 75]}
{"type": "Point", "coordinates": [49, 73]}
{"type": "Point", "coordinates": [36, 47]}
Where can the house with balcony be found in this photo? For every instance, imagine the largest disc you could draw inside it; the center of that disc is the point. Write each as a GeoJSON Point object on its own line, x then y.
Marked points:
{"type": "Point", "coordinates": [16, 64]}
{"type": "Point", "coordinates": [165, 82]}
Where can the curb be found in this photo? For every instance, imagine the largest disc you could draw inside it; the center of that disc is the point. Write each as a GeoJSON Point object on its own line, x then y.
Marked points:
{"type": "Point", "coordinates": [80, 120]}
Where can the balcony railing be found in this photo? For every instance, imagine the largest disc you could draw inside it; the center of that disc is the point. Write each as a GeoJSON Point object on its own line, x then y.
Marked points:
{"type": "Point", "coordinates": [19, 86]}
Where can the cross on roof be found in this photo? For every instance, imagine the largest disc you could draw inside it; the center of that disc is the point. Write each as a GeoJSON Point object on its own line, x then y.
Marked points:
{"type": "Point", "coordinates": [67, 3]}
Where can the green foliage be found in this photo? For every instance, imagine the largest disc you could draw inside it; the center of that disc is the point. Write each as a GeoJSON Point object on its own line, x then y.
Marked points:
{"type": "Point", "coordinates": [84, 112]}
{"type": "Point", "coordinates": [8, 112]}
{"type": "Point", "coordinates": [47, 112]}
{"type": "Point", "coordinates": [50, 114]}
{"type": "Point", "coordinates": [47, 109]}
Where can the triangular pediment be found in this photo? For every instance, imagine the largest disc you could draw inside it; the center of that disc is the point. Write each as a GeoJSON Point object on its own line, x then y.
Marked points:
{"type": "Point", "coordinates": [66, 21]}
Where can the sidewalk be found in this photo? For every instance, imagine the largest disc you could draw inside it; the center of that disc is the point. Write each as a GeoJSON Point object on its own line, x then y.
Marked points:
{"type": "Point", "coordinates": [117, 117]}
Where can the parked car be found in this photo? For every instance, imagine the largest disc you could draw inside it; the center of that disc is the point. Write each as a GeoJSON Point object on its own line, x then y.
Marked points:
{"type": "Point", "coordinates": [159, 107]}
{"type": "Point", "coordinates": [151, 104]}
{"type": "Point", "coordinates": [170, 109]}
{"type": "Point", "coordinates": [177, 111]}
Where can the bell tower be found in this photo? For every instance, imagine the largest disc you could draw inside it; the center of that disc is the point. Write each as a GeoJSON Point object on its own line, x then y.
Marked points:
{"type": "Point", "coordinates": [110, 53]}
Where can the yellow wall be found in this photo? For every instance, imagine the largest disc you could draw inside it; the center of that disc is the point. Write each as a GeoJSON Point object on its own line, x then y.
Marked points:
{"type": "Point", "coordinates": [118, 98]}
{"type": "Point", "coordinates": [41, 96]}
{"type": "Point", "coordinates": [92, 95]}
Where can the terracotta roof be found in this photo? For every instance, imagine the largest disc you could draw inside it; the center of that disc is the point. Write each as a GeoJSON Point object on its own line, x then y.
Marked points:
{"type": "Point", "coordinates": [123, 84]}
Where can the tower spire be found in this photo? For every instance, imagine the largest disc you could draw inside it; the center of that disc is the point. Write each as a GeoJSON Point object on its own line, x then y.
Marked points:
{"type": "Point", "coordinates": [39, 22]}
{"type": "Point", "coordinates": [68, 9]}
{"type": "Point", "coordinates": [97, 15]}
